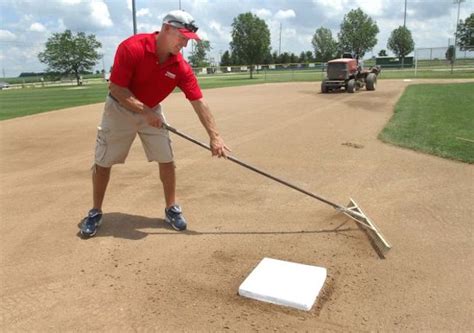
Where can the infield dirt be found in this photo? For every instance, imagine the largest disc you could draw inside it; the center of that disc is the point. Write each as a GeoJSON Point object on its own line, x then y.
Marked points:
{"type": "Point", "coordinates": [137, 274]}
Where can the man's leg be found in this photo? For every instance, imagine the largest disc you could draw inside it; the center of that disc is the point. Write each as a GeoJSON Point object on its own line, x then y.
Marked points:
{"type": "Point", "coordinates": [168, 178]}
{"type": "Point", "coordinates": [100, 179]}
{"type": "Point", "coordinates": [173, 213]}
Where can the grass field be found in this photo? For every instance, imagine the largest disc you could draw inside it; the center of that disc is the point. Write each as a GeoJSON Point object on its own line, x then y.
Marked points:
{"type": "Point", "coordinates": [31, 100]}
{"type": "Point", "coordinates": [435, 118]}
{"type": "Point", "coordinates": [22, 102]}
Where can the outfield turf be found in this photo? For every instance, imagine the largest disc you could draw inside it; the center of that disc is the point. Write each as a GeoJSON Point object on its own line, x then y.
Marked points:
{"type": "Point", "coordinates": [22, 102]}
{"type": "Point", "coordinates": [435, 118]}
{"type": "Point", "coordinates": [26, 101]}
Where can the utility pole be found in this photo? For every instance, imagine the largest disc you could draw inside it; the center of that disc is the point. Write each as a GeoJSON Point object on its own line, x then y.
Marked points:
{"type": "Point", "coordinates": [456, 33]}
{"type": "Point", "coordinates": [279, 44]}
{"type": "Point", "coordinates": [134, 18]}
{"type": "Point", "coordinates": [404, 25]}
{"type": "Point", "coordinates": [179, 4]}
{"type": "Point", "coordinates": [405, 16]}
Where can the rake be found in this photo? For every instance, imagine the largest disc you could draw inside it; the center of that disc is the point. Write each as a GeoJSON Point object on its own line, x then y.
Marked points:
{"type": "Point", "coordinates": [353, 211]}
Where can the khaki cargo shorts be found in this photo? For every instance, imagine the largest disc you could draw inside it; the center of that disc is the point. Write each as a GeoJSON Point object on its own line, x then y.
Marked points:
{"type": "Point", "coordinates": [118, 130]}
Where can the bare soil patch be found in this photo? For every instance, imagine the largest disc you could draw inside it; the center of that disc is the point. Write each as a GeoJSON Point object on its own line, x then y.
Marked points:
{"type": "Point", "coordinates": [138, 274]}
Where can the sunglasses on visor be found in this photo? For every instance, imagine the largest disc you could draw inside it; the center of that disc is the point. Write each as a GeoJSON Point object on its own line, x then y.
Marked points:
{"type": "Point", "coordinates": [188, 26]}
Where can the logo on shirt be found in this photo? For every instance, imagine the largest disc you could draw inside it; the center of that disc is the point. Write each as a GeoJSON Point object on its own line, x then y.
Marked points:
{"type": "Point", "coordinates": [170, 75]}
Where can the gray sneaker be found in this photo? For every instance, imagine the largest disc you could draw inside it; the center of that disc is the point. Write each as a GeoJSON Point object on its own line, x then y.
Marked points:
{"type": "Point", "coordinates": [174, 216]}
{"type": "Point", "coordinates": [91, 223]}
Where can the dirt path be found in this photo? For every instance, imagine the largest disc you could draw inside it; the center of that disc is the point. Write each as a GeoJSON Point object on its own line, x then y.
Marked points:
{"type": "Point", "coordinates": [137, 274]}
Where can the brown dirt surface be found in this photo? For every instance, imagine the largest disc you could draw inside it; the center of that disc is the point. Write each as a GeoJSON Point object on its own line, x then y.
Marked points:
{"type": "Point", "coordinates": [137, 274]}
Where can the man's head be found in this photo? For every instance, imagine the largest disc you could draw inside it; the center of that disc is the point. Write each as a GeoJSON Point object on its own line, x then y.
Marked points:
{"type": "Point", "coordinates": [178, 28]}
{"type": "Point", "coordinates": [183, 22]}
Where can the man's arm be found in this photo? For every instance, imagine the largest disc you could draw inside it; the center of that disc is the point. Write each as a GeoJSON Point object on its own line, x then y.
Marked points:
{"type": "Point", "coordinates": [130, 102]}
{"type": "Point", "coordinates": [217, 144]}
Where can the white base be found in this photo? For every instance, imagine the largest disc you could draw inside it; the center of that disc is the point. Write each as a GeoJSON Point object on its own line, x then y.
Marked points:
{"type": "Point", "coordinates": [284, 283]}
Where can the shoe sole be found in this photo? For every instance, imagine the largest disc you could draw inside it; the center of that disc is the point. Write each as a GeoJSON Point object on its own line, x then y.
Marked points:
{"type": "Point", "coordinates": [92, 234]}
{"type": "Point", "coordinates": [172, 225]}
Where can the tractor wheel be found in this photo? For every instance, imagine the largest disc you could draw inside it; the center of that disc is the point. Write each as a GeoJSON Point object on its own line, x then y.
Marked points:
{"type": "Point", "coordinates": [324, 87]}
{"type": "Point", "coordinates": [351, 86]}
{"type": "Point", "coordinates": [370, 81]}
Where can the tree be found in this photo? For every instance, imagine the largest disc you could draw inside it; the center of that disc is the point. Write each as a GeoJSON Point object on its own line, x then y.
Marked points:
{"type": "Point", "coordinates": [465, 34]}
{"type": "Point", "coordinates": [309, 56]}
{"type": "Point", "coordinates": [451, 54]}
{"type": "Point", "coordinates": [199, 53]}
{"type": "Point", "coordinates": [226, 59]}
{"type": "Point", "coordinates": [67, 53]}
{"type": "Point", "coordinates": [275, 57]}
{"type": "Point", "coordinates": [400, 42]}
{"type": "Point", "coordinates": [293, 58]}
{"type": "Point", "coordinates": [268, 59]}
{"type": "Point", "coordinates": [382, 53]}
{"type": "Point", "coordinates": [358, 33]}
{"type": "Point", "coordinates": [234, 60]}
{"type": "Point", "coordinates": [284, 58]}
{"type": "Point", "coordinates": [325, 47]}
{"type": "Point", "coordinates": [302, 58]}
{"type": "Point", "coordinates": [250, 39]}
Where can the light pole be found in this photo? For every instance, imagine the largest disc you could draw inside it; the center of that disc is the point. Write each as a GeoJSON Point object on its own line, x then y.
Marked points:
{"type": "Point", "coordinates": [134, 18]}
{"type": "Point", "coordinates": [279, 43]}
{"type": "Point", "coordinates": [456, 34]}
{"type": "Point", "coordinates": [405, 16]}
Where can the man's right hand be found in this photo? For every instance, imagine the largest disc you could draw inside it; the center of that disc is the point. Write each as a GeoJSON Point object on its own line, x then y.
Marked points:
{"type": "Point", "coordinates": [152, 118]}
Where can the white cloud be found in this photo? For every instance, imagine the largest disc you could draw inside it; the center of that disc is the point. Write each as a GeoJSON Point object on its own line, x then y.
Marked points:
{"type": "Point", "coordinates": [143, 12]}
{"type": "Point", "coordinates": [372, 8]}
{"type": "Point", "coordinates": [37, 27]}
{"type": "Point", "coordinates": [7, 36]}
{"type": "Point", "coordinates": [146, 27]}
{"type": "Point", "coordinates": [71, 2]}
{"type": "Point", "coordinates": [100, 14]}
{"type": "Point", "coordinates": [61, 26]}
{"type": "Point", "coordinates": [284, 14]}
{"type": "Point", "coordinates": [262, 13]}
{"type": "Point", "coordinates": [432, 22]}
{"type": "Point", "coordinates": [223, 33]}
{"type": "Point", "coordinates": [331, 8]}
{"type": "Point", "coordinates": [290, 33]}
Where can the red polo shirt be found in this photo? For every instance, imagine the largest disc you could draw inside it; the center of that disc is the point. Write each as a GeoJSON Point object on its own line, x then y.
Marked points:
{"type": "Point", "coordinates": [137, 68]}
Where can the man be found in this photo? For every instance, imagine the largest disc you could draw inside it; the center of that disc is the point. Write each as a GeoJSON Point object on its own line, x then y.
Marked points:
{"type": "Point", "coordinates": [146, 69]}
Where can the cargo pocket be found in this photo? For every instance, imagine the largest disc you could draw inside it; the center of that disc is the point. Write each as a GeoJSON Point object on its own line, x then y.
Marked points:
{"type": "Point", "coordinates": [101, 144]}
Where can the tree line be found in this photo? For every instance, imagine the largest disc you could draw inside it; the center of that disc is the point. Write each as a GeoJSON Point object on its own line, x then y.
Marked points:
{"type": "Point", "coordinates": [70, 53]}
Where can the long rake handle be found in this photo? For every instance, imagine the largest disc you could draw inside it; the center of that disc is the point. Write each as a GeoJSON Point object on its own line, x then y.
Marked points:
{"type": "Point", "coordinates": [245, 165]}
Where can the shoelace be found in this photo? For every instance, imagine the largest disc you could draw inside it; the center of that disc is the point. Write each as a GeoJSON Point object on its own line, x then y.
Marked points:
{"type": "Point", "coordinates": [90, 221]}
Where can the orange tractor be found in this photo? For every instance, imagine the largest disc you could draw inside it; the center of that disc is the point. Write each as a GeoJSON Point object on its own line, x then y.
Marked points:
{"type": "Point", "coordinates": [347, 73]}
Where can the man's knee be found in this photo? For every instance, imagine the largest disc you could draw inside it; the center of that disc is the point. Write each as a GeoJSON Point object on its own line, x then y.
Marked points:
{"type": "Point", "coordinates": [166, 169]}
{"type": "Point", "coordinates": [100, 171]}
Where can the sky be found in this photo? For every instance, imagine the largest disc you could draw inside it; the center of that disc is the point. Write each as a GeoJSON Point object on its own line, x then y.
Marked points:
{"type": "Point", "coordinates": [25, 25]}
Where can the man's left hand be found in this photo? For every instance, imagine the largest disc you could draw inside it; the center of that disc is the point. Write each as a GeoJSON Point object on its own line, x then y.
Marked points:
{"type": "Point", "coordinates": [218, 147]}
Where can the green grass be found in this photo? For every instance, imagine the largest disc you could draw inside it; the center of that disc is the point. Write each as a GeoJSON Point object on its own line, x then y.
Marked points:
{"type": "Point", "coordinates": [435, 118]}
{"type": "Point", "coordinates": [22, 102]}
{"type": "Point", "coordinates": [442, 73]}
{"type": "Point", "coordinates": [31, 100]}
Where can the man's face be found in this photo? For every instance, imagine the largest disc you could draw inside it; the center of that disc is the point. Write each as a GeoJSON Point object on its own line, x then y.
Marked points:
{"type": "Point", "coordinates": [176, 41]}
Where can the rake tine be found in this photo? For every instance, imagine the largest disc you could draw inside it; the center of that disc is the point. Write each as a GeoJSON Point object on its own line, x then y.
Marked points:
{"type": "Point", "coordinates": [378, 241]}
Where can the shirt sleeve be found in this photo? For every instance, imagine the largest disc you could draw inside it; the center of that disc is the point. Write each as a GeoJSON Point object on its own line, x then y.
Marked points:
{"type": "Point", "coordinates": [122, 69]}
{"type": "Point", "coordinates": [189, 85]}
